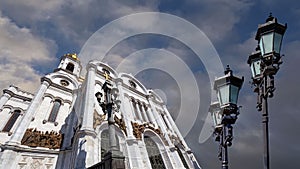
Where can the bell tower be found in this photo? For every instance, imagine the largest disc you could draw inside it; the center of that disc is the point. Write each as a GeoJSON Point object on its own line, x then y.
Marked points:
{"type": "Point", "coordinates": [70, 63]}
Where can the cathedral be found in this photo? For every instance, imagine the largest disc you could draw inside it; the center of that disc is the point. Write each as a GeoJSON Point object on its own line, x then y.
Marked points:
{"type": "Point", "coordinates": [76, 122]}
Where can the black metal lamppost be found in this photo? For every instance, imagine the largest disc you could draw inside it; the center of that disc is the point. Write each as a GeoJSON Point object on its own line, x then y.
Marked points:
{"type": "Point", "coordinates": [264, 64]}
{"type": "Point", "coordinates": [225, 111]}
{"type": "Point", "coordinates": [109, 103]}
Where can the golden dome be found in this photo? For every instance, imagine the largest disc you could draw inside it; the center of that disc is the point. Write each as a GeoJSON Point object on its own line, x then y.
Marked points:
{"type": "Point", "coordinates": [72, 55]}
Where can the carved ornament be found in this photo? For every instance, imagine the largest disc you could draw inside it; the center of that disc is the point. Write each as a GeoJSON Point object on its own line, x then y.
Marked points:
{"type": "Point", "coordinates": [121, 124]}
{"type": "Point", "coordinates": [138, 130]}
{"type": "Point", "coordinates": [98, 119]}
{"type": "Point", "coordinates": [35, 138]}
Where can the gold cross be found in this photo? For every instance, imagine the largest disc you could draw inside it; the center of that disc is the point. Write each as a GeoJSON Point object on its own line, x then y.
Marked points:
{"type": "Point", "coordinates": [106, 75]}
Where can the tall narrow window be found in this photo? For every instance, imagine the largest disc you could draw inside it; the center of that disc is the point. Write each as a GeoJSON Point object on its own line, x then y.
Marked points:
{"type": "Point", "coordinates": [13, 118]}
{"type": "Point", "coordinates": [70, 67]}
{"type": "Point", "coordinates": [182, 157]}
{"type": "Point", "coordinates": [154, 155]}
{"type": "Point", "coordinates": [54, 111]}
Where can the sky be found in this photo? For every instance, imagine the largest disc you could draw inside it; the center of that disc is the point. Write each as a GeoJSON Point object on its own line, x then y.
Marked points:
{"type": "Point", "coordinates": [34, 34]}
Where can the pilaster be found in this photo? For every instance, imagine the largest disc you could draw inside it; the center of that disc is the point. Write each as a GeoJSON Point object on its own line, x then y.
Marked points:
{"type": "Point", "coordinates": [125, 109]}
{"type": "Point", "coordinates": [175, 127]}
{"type": "Point", "coordinates": [29, 114]}
{"type": "Point", "coordinates": [89, 100]}
{"type": "Point", "coordinates": [4, 99]}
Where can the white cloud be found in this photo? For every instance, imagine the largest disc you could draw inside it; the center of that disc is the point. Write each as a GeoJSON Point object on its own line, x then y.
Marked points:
{"type": "Point", "coordinates": [29, 11]}
{"type": "Point", "coordinates": [19, 50]}
{"type": "Point", "coordinates": [73, 20]}
{"type": "Point", "coordinates": [218, 17]}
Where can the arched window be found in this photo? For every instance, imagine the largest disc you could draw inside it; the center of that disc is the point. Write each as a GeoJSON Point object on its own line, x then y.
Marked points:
{"type": "Point", "coordinates": [54, 111]}
{"type": "Point", "coordinates": [10, 123]}
{"type": "Point", "coordinates": [70, 67]}
{"type": "Point", "coordinates": [105, 143]}
{"type": "Point", "coordinates": [154, 154]}
{"type": "Point", "coordinates": [181, 157]}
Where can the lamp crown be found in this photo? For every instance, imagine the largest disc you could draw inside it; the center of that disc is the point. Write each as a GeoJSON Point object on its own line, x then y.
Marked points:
{"type": "Point", "coordinates": [271, 18]}
{"type": "Point", "coordinates": [228, 70]}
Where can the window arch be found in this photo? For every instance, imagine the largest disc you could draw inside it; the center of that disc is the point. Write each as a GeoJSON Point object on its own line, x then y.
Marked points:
{"type": "Point", "coordinates": [154, 155]}
{"type": "Point", "coordinates": [54, 111]}
{"type": "Point", "coordinates": [10, 123]}
{"type": "Point", "coordinates": [70, 67]}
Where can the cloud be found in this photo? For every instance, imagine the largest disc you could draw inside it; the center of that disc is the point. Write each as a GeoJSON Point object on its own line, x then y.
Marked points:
{"type": "Point", "coordinates": [70, 21]}
{"type": "Point", "coordinates": [217, 18]}
{"type": "Point", "coordinates": [19, 52]}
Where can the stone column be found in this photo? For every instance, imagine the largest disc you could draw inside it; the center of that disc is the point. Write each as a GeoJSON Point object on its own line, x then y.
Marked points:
{"type": "Point", "coordinates": [159, 119]}
{"type": "Point", "coordinates": [136, 109]}
{"type": "Point", "coordinates": [29, 114]}
{"type": "Point", "coordinates": [86, 141]}
{"type": "Point", "coordinates": [174, 126]}
{"type": "Point", "coordinates": [143, 112]}
{"type": "Point", "coordinates": [132, 110]}
{"type": "Point", "coordinates": [150, 115]}
{"type": "Point", "coordinates": [88, 101]}
{"type": "Point", "coordinates": [4, 99]}
{"type": "Point", "coordinates": [124, 108]}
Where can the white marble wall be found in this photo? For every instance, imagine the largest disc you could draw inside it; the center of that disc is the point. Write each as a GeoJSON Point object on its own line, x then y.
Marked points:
{"type": "Point", "coordinates": [75, 119]}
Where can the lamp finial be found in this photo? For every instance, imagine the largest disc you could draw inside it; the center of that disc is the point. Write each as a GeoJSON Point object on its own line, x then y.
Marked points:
{"type": "Point", "coordinates": [228, 70]}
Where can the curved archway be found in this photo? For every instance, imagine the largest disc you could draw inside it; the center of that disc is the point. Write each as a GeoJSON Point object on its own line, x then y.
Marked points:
{"type": "Point", "coordinates": [154, 145]}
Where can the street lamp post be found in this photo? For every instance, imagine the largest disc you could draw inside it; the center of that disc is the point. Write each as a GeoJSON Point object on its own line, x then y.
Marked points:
{"type": "Point", "coordinates": [264, 64]}
{"type": "Point", "coordinates": [109, 103]}
{"type": "Point", "coordinates": [225, 111]}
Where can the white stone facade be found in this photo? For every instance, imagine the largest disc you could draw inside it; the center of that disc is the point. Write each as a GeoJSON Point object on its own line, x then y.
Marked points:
{"type": "Point", "coordinates": [63, 126]}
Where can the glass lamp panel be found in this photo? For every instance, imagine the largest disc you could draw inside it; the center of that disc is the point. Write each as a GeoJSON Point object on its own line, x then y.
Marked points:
{"type": "Point", "coordinates": [223, 94]}
{"type": "Point", "coordinates": [234, 92]}
{"type": "Point", "coordinates": [267, 42]}
{"type": "Point", "coordinates": [217, 118]}
{"type": "Point", "coordinates": [277, 42]}
{"type": "Point", "coordinates": [214, 116]}
{"type": "Point", "coordinates": [255, 68]}
{"type": "Point", "coordinates": [261, 47]}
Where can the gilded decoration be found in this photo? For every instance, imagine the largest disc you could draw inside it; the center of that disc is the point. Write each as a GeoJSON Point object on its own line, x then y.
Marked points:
{"type": "Point", "coordinates": [72, 55]}
{"type": "Point", "coordinates": [35, 138]}
{"type": "Point", "coordinates": [98, 119]}
{"type": "Point", "coordinates": [121, 124]}
{"type": "Point", "coordinates": [138, 130]}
